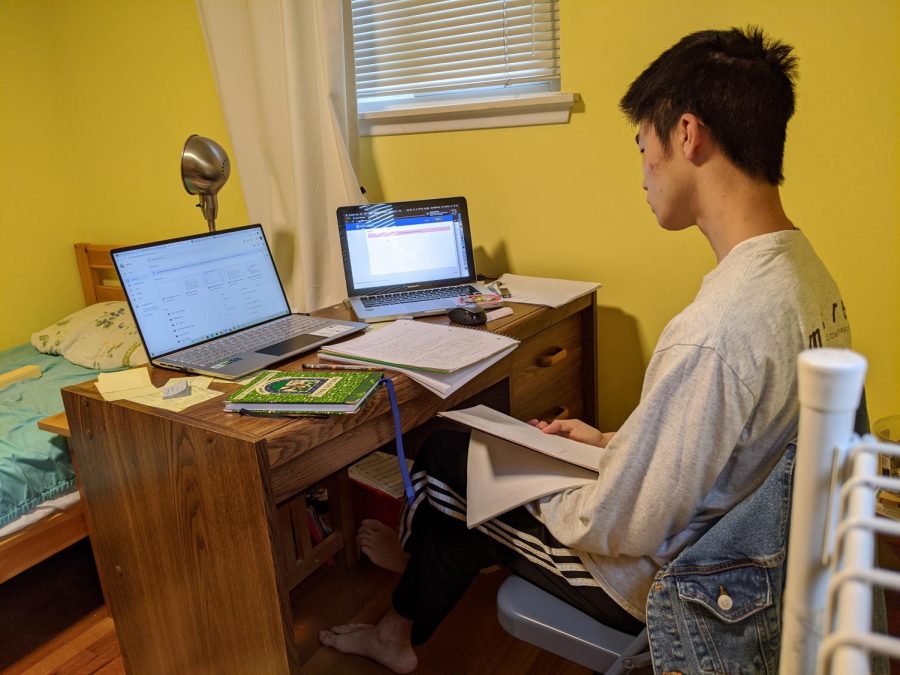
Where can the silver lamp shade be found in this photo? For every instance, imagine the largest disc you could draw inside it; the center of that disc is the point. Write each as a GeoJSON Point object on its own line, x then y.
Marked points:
{"type": "Point", "coordinates": [204, 170]}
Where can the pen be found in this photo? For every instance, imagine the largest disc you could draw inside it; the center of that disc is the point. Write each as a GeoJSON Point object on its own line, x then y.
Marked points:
{"type": "Point", "coordinates": [328, 366]}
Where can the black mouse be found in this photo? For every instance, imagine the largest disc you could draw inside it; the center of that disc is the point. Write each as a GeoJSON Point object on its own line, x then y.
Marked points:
{"type": "Point", "coordinates": [468, 316]}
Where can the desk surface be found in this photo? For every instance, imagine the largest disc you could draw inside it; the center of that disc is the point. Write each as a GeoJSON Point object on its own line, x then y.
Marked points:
{"type": "Point", "coordinates": [184, 508]}
{"type": "Point", "coordinates": [302, 451]}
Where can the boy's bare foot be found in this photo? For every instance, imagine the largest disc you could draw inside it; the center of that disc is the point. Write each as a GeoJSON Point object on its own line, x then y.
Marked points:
{"type": "Point", "coordinates": [382, 545]}
{"type": "Point", "coordinates": [387, 643]}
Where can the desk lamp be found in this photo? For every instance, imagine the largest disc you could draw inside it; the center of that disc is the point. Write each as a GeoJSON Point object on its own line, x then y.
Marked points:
{"type": "Point", "coordinates": [204, 170]}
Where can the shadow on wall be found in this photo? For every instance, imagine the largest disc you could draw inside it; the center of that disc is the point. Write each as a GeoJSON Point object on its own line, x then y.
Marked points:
{"type": "Point", "coordinates": [283, 253]}
{"type": "Point", "coordinates": [620, 366]}
{"type": "Point", "coordinates": [491, 263]}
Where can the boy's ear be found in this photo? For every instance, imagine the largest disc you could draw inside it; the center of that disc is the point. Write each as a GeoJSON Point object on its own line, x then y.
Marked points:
{"type": "Point", "coordinates": [690, 135]}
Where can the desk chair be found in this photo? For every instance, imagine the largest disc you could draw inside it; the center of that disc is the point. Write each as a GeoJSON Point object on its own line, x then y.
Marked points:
{"type": "Point", "coordinates": [535, 616]}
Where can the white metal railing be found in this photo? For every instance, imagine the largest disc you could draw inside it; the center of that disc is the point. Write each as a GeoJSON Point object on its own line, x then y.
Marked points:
{"type": "Point", "coordinates": [831, 567]}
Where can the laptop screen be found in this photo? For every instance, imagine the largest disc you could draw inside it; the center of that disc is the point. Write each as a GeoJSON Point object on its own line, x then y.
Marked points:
{"type": "Point", "coordinates": [405, 245]}
{"type": "Point", "coordinates": [189, 290]}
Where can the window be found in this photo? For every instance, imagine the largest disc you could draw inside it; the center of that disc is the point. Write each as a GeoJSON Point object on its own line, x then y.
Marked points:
{"type": "Point", "coordinates": [456, 64]}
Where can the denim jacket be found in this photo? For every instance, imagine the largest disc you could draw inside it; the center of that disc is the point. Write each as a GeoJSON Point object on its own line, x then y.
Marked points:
{"type": "Point", "coordinates": [716, 608]}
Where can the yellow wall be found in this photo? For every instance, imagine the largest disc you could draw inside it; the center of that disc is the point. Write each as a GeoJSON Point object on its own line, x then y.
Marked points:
{"type": "Point", "coordinates": [98, 97]}
{"type": "Point", "coordinates": [566, 200]}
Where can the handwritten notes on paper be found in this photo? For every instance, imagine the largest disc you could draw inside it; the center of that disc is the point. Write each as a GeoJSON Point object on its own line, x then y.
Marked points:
{"type": "Point", "coordinates": [440, 358]}
{"type": "Point", "coordinates": [135, 385]}
{"type": "Point", "coordinates": [423, 346]}
{"type": "Point", "coordinates": [200, 391]}
{"type": "Point", "coordinates": [125, 384]}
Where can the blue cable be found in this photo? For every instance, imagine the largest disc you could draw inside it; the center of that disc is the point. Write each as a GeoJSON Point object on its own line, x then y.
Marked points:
{"type": "Point", "coordinates": [398, 433]}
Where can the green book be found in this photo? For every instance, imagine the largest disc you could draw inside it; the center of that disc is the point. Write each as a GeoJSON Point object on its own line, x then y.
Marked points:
{"type": "Point", "coordinates": [306, 391]}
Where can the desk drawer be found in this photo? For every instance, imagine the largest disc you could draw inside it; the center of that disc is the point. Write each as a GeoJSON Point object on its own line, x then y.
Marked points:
{"type": "Point", "coordinates": [547, 376]}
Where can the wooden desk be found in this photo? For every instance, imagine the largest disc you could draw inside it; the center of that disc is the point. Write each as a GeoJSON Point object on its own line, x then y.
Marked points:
{"type": "Point", "coordinates": [186, 510]}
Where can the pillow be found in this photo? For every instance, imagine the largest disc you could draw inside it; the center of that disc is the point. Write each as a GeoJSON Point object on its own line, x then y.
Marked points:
{"type": "Point", "coordinates": [101, 336]}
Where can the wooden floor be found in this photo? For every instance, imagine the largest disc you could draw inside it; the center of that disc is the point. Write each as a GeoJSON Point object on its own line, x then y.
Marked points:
{"type": "Point", "coordinates": [54, 621]}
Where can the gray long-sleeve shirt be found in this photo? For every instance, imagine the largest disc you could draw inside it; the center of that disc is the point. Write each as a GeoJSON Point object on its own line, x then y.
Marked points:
{"type": "Point", "coordinates": [718, 406]}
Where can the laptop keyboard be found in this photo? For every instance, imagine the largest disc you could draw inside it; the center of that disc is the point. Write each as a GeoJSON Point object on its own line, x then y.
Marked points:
{"type": "Point", "coordinates": [416, 296]}
{"type": "Point", "coordinates": [249, 340]}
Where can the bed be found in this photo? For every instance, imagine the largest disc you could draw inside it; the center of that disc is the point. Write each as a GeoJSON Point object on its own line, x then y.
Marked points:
{"type": "Point", "coordinates": [40, 509]}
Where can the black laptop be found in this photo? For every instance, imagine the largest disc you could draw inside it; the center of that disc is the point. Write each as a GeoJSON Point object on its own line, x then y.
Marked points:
{"type": "Point", "coordinates": [407, 259]}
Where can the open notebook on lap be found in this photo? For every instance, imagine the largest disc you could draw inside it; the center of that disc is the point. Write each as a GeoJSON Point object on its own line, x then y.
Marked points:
{"type": "Point", "coordinates": [214, 304]}
{"type": "Point", "coordinates": [407, 259]}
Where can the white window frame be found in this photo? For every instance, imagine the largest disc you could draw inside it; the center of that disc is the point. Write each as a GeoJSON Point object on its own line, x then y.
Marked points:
{"type": "Point", "coordinates": [519, 105]}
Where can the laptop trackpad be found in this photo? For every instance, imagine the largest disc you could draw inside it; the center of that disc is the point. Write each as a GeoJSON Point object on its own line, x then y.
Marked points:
{"type": "Point", "coordinates": [290, 345]}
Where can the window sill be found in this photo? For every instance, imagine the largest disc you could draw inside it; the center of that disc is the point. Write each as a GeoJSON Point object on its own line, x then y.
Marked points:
{"type": "Point", "coordinates": [487, 113]}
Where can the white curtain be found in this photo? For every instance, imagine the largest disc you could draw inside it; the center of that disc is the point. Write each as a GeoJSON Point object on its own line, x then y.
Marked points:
{"type": "Point", "coordinates": [285, 78]}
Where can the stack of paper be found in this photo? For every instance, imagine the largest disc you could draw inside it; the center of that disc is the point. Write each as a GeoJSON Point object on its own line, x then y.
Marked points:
{"type": "Point", "coordinates": [511, 463]}
{"type": "Point", "coordinates": [440, 358]}
{"type": "Point", "coordinates": [547, 292]}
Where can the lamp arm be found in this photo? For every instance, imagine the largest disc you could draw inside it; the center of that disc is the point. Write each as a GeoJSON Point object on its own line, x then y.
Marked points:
{"type": "Point", "coordinates": [209, 205]}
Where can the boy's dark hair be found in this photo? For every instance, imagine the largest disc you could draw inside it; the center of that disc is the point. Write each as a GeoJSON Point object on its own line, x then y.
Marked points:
{"type": "Point", "coordinates": [738, 82]}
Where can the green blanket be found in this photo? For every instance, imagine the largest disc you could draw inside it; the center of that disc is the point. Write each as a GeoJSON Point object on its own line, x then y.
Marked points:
{"type": "Point", "coordinates": [34, 464]}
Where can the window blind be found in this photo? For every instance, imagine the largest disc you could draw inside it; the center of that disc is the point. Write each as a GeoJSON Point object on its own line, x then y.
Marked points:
{"type": "Point", "coordinates": [406, 48]}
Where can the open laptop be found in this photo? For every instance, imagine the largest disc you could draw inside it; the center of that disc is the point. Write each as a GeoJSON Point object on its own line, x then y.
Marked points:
{"type": "Point", "coordinates": [214, 304]}
{"type": "Point", "coordinates": [407, 259]}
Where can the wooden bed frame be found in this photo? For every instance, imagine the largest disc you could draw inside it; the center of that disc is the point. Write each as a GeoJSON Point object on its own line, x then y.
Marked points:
{"type": "Point", "coordinates": [48, 536]}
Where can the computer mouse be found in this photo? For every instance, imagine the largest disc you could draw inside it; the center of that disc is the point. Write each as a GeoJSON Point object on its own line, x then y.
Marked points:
{"type": "Point", "coordinates": [468, 316]}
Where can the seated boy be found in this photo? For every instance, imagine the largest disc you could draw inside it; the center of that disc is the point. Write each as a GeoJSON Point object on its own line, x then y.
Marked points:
{"type": "Point", "coordinates": [719, 401]}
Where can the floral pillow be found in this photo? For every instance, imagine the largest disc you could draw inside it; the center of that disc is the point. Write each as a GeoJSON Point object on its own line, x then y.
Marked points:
{"type": "Point", "coordinates": [101, 336]}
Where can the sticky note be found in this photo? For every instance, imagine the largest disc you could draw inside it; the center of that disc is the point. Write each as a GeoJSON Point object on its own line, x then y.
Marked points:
{"type": "Point", "coordinates": [124, 384]}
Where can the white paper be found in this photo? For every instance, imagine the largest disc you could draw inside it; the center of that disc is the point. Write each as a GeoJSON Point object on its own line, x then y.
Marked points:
{"type": "Point", "coordinates": [423, 346]}
{"type": "Point", "coordinates": [547, 292]}
{"type": "Point", "coordinates": [200, 392]}
{"type": "Point", "coordinates": [197, 395]}
{"type": "Point", "coordinates": [125, 384]}
{"type": "Point", "coordinates": [442, 384]}
{"type": "Point", "coordinates": [497, 424]}
{"type": "Point", "coordinates": [502, 475]}
{"type": "Point", "coordinates": [331, 331]}
{"type": "Point", "coordinates": [499, 313]}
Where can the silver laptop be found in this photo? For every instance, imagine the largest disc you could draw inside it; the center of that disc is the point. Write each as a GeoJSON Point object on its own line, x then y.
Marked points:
{"type": "Point", "coordinates": [407, 259]}
{"type": "Point", "coordinates": [213, 304]}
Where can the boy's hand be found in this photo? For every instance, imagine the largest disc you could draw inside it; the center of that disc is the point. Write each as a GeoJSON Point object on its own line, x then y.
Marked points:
{"type": "Point", "coordinates": [576, 430]}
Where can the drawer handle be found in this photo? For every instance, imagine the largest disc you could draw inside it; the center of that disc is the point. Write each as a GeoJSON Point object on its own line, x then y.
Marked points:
{"type": "Point", "coordinates": [552, 359]}
{"type": "Point", "coordinates": [561, 413]}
